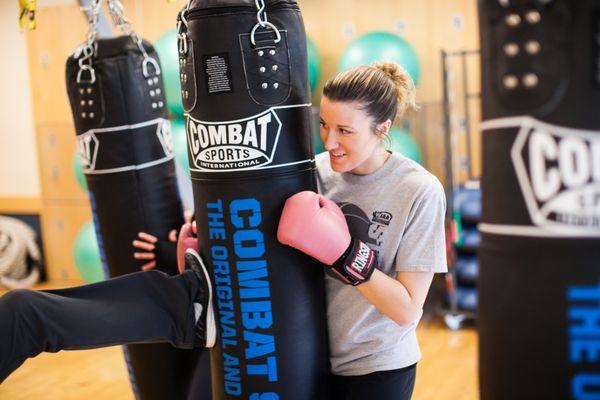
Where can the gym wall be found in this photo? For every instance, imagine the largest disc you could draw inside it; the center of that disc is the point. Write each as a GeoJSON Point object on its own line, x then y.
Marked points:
{"type": "Point", "coordinates": [19, 182]}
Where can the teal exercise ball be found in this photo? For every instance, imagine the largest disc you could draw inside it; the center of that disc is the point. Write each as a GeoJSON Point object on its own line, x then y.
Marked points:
{"type": "Point", "coordinates": [378, 47]}
{"type": "Point", "coordinates": [319, 145]}
{"type": "Point", "coordinates": [180, 144]}
{"type": "Point", "coordinates": [86, 255]}
{"type": "Point", "coordinates": [314, 64]}
{"type": "Point", "coordinates": [78, 171]}
{"type": "Point", "coordinates": [404, 143]}
{"type": "Point", "coordinates": [166, 47]}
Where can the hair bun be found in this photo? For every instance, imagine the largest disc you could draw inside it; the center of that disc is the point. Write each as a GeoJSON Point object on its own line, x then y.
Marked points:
{"type": "Point", "coordinates": [405, 86]}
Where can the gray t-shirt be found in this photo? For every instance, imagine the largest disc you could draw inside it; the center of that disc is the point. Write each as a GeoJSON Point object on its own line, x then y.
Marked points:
{"type": "Point", "coordinates": [399, 212]}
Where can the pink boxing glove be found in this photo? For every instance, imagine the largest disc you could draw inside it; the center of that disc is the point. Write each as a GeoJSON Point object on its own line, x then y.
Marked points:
{"type": "Point", "coordinates": [316, 226]}
{"type": "Point", "coordinates": [185, 240]}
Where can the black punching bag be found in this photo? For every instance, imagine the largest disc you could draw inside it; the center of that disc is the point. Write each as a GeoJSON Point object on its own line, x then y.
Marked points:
{"type": "Point", "coordinates": [539, 300]}
{"type": "Point", "coordinates": [124, 140]}
{"type": "Point", "coordinates": [246, 100]}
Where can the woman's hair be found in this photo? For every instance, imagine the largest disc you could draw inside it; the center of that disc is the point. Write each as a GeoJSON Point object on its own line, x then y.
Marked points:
{"type": "Point", "coordinates": [385, 90]}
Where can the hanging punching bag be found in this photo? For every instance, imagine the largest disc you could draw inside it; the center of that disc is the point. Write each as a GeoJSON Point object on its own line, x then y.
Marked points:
{"type": "Point", "coordinates": [539, 300]}
{"type": "Point", "coordinates": [246, 100]}
{"type": "Point", "coordinates": [124, 140]}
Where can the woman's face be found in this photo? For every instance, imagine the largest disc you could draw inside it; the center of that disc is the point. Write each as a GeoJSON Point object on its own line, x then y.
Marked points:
{"type": "Point", "coordinates": [347, 134]}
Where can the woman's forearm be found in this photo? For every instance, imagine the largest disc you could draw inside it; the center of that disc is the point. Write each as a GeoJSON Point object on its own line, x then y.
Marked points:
{"type": "Point", "coordinates": [399, 299]}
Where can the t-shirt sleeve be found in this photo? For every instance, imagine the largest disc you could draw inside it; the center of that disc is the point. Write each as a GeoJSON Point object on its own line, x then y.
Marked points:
{"type": "Point", "coordinates": [423, 242]}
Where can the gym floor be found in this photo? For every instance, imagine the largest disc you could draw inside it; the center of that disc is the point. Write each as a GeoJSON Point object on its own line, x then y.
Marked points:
{"type": "Point", "coordinates": [448, 370]}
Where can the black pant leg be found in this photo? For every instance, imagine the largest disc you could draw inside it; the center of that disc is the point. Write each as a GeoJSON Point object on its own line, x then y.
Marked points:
{"type": "Point", "coordinates": [396, 384]}
{"type": "Point", "coordinates": [143, 307]}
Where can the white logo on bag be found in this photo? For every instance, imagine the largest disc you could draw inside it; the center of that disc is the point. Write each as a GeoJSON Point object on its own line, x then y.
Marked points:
{"type": "Point", "coordinates": [87, 147]}
{"type": "Point", "coordinates": [234, 145]}
{"type": "Point", "coordinates": [163, 131]}
{"type": "Point", "coordinates": [559, 173]}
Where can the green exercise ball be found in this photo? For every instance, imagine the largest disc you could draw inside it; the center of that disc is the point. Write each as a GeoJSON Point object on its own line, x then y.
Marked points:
{"type": "Point", "coordinates": [314, 64]}
{"type": "Point", "coordinates": [166, 47]}
{"type": "Point", "coordinates": [78, 171]}
{"type": "Point", "coordinates": [180, 144]}
{"type": "Point", "coordinates": [404, 143]}
{"type": "Point", "coordinates": [319, 146]}
{"type": "Point", "coordinates": [86, 255]}
{"type": "Point", "coordinates": [381, 46]}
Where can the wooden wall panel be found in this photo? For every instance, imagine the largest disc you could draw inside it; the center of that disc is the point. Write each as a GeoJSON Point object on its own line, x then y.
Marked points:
{"type": "Point", "coordinates": [450, 34]}
{"type": "Point", "coordinates": [476, 137]}
{"type": "Point", "coordinates": [61, 222]}
{"type": "Point", "coordinates": [154, 18]}
{"type": "Point", "coordinates": [20, 205]}
{"type": "Point", "coordinates": [56, 144]}
{"type": "Point", "coordinates": [60, 30]}
{"type": "Point", "coordinates": [333, 24]}
{"type": "Point", "coordinates": [454, 27]}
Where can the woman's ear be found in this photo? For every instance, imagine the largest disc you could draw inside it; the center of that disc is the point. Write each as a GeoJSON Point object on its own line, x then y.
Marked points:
{"type": "Point", "coordinates": [383, 129]}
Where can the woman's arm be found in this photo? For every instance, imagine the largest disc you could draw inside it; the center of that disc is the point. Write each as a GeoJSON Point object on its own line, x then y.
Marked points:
{"type": "Point", "coordinates": [400, 299]}
{"type": "Point", "coordinates": [316, 226]}
{"type": "Point", "coordinates": [422, 245]}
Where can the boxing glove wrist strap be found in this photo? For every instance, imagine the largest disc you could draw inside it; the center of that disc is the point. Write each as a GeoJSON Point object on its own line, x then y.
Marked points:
{"type": "Point", "coordinates": [356, 265]}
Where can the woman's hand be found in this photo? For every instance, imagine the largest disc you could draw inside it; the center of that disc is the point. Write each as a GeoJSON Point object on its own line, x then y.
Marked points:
{"type": "Point", "coordinates": [147, 243]}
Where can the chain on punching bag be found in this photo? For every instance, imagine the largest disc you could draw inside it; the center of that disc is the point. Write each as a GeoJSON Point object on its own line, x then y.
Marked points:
{"type": "Point", "coordinates": [539, 311]}
{"type": "Point", "coordinates": [245, 94]}
{"type": "Point", "coordinates": [123, 138]}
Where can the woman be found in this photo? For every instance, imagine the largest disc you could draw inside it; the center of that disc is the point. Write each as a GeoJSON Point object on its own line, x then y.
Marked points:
{"type": "Point", "coordinates": [394, 206]}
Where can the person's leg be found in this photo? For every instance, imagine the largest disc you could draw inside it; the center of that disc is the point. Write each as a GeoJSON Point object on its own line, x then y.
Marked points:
{"type": "Point", "coordinates": [383, 385]}
{"type": "Point", "coordinates": [143, 307]}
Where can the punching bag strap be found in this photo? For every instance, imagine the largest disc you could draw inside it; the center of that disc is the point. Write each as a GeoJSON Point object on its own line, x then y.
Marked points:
{"type": "Point", "coordinates": [89, 107]}
{"type": "Point", "coordinates": [182, 28]}
{"type": "Point", "coordinates": [87, 74]}
{"type": "Point", "coordinates": [266, 61]}
{"type": "Point", "coordinates": [150, 67]}
{"type": "Point", "coordinates": [187, 74]}
{"type": "Point", "coordinates": [261, 16]}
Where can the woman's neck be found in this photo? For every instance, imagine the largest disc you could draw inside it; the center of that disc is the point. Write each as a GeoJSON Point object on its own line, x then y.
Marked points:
{"type": "Point", "coordinates": [373, 164]}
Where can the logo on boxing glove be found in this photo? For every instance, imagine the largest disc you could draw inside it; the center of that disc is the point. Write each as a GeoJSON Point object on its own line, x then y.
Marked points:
{"type": "Point", "coordinates": [362, 258]}
{"type": "Point", "coordinates": [357, 264]}
{"type": "Point", "coordinates": [559, 173]}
